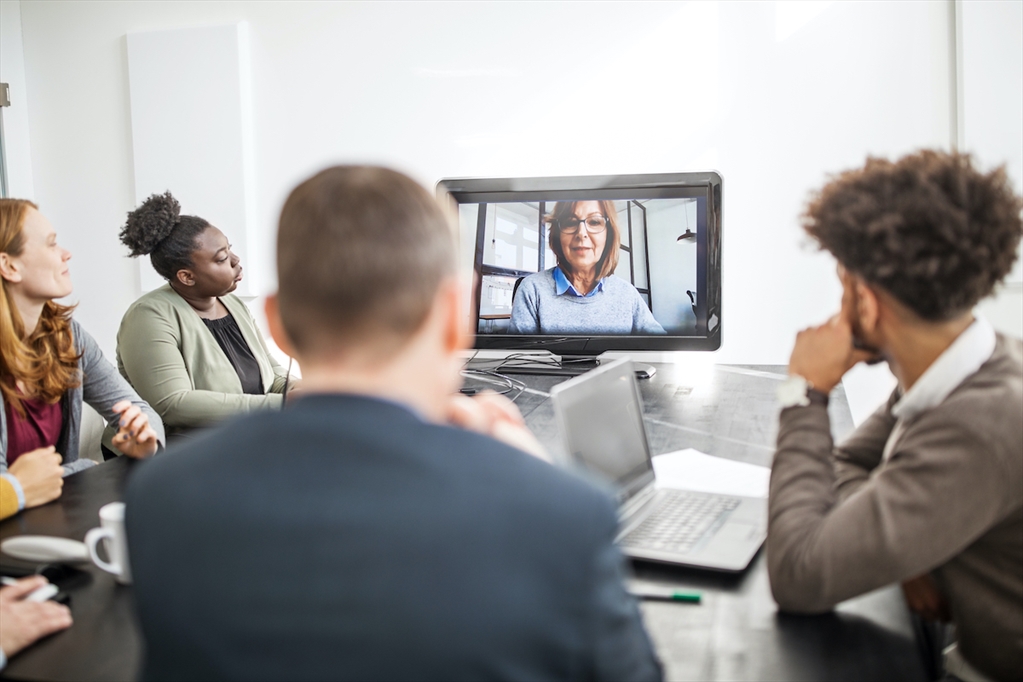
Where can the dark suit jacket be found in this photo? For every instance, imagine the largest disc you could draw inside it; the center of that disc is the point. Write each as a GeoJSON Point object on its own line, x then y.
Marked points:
{"type": "Point", "coordinates": [345, 538]}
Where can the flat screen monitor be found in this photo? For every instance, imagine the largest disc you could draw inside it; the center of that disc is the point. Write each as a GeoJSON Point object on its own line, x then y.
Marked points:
{"type": "Point", "coordinates": [583, 265]}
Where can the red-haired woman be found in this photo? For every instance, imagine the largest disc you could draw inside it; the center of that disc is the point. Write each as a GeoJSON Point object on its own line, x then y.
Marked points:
{"type": "Point", "coordinates": [49, 365]}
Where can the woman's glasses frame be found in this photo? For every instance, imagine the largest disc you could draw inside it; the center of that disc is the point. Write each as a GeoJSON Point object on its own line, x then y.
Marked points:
{"type": "Point", "coordinates": [571, 226]}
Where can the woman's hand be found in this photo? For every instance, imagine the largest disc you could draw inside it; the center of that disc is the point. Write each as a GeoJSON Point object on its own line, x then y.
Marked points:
{"type": "Point", "coordinates": [495, 416]}
{"type": "Point", "coordinates": [134, 436]}
{"type": "Point", "coordinates": [26, 621]}
{"type": "Point", "coordinates": [40, 474]}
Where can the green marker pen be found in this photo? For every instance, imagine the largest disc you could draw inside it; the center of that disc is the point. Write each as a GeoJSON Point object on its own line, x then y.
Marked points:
{"type": "Point", "coordinates": [665, 593]}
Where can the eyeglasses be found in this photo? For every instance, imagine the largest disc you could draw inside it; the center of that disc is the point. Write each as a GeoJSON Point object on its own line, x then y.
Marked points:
{"type": "Point", "coordinates": [595, 224]}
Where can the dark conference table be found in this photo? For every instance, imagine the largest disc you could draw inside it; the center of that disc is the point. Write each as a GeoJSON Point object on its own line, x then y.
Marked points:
{"type": "Point", "coordinates": [736, 633]}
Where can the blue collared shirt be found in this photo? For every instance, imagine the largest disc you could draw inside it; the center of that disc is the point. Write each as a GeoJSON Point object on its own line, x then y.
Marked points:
{"type": "Point", "coordinates": [562, 285]}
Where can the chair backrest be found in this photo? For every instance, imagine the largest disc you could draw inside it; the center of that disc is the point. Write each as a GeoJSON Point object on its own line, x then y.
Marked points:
{"type": "Point", "coordinates": [91, 434]}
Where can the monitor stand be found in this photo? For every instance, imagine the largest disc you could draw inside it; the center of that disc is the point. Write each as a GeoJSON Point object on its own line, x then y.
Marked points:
{"type": "Point", "coordinates": [570, 366]}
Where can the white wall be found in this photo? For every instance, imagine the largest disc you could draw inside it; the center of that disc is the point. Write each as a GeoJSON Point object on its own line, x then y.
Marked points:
{"type": "Point", "coordinates": [672, 263]}
{"type": "Point", "coordinates": [17, 152]}
{"type": "Point", "coordinates": [788, 93]}
{"type": "Point", "coordinates": [199, 140]}
{"type": "Point", "coordinates": [76, 71]}
{"type": "Point", "coordinates": [990, 112]}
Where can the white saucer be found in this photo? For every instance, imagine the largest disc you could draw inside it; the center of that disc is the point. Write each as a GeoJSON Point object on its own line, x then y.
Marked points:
{"type": "Point", "coordinates": [45, 549]}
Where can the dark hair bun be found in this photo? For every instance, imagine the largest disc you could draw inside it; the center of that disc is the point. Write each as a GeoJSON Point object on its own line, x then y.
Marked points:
{"type": "Point", "coordinates": [150, 223]}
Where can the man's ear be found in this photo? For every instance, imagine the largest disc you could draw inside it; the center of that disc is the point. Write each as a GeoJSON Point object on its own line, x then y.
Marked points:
{"type": "Point", "coordinates": [8, 268]}
{"type": "Point", "coordinates": [867, 307]}
{"type": "Point", "coordinates": [456, 334]}
{"type": "Point", "coordinates": [273, 321]}
{"type": "Point", "coordinates": [186, 277]}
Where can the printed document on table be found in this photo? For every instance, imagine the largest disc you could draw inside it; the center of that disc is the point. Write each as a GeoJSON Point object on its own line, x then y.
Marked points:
{"type": "Point", "coordinates": [694, 470]}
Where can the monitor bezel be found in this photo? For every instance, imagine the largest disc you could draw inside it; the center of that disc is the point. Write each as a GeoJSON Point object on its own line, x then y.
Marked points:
{"type": "Point", "coordinates": [492, 190]}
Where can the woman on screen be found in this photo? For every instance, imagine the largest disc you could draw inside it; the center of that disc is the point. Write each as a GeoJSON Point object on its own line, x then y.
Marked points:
{"type": "Point", "coordinates": [581, 295]}
{"type": "Point", "coordinates": [191, 348]}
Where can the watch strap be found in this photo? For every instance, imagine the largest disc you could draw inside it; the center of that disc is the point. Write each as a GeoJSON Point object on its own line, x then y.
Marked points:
{"type": "Point", "coordinates": [817, 397]}
{"type": "Point", "coordinates": [796, 391]}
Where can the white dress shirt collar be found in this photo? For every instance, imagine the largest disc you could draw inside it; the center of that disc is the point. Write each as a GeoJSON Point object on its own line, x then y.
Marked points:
{"type": "Point", "coordinates": [964, 357]}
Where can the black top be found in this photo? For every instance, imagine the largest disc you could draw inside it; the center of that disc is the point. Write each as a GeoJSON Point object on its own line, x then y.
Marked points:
{"type": "Point", "coordinates": [346, 538]}
{"type": "Point", "coordinates": [229, 336]}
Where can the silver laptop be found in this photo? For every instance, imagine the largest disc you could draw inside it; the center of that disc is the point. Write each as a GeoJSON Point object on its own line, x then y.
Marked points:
{"type": "Point", "coordinates": [601, 418]}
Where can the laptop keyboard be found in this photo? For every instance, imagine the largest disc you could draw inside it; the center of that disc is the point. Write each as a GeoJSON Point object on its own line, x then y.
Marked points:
{"type": "Point", "coordinates": [678, 521]}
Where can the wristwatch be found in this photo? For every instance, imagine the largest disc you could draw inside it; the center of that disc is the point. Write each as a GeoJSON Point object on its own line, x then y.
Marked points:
{"type": "Point", "coordinates": [796, 391]}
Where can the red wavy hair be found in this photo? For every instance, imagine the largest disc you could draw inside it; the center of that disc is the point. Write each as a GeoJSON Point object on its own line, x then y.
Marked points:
{"type": "Point", "coordinates": [45, 363]}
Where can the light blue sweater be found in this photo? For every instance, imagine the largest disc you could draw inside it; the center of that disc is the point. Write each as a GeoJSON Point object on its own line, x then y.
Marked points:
{"type": "Point", "coordinates": [616, 308]}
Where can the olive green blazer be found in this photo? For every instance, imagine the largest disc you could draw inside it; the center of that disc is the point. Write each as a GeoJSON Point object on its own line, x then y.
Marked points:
{"type": "Point", "coordinates": [171, 358]}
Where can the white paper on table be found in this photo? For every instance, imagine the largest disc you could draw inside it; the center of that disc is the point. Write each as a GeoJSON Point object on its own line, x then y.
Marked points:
{"type": "Point", "coordinates": [694, 470]}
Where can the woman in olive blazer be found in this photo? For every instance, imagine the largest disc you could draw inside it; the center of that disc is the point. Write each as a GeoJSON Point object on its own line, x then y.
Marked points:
{"type": "Point", "coordinates": [191, 348]}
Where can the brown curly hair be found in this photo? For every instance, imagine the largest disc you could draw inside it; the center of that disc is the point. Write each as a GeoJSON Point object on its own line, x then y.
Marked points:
{"type": "Point", "coordinates": [929, 229]}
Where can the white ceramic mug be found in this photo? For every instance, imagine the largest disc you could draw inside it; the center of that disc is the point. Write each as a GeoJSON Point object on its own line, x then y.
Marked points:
{"type": "Point", "coordinates": [111, 518]}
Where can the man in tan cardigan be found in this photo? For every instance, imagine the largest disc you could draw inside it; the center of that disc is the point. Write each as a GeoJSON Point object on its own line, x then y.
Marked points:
{"type": "Point", "coordinates": [929, 490]}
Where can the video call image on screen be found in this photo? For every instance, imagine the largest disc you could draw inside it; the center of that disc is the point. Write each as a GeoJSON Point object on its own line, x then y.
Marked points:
{"type": "Point", "coordinates": [527, 287]}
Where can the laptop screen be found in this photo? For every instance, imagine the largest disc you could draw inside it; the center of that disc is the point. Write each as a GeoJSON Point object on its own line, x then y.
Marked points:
{"type": "Point", "coordinates": [601, 418]}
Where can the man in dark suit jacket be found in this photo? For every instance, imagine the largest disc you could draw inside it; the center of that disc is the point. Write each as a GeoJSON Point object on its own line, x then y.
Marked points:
{"type": "Point", "coordinates": [377, 528]}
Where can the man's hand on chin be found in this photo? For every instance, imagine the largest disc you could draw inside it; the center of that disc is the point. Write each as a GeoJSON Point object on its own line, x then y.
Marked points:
{"type": "Point", "coordinates": [495, 416]}
{"type": "Point", "coordinates": [822, 355]}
